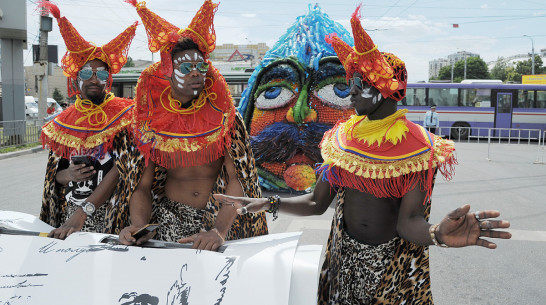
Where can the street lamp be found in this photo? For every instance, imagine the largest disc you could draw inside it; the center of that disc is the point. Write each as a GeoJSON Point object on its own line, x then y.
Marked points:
{"type": "Point", "coordinates": [532, 54]}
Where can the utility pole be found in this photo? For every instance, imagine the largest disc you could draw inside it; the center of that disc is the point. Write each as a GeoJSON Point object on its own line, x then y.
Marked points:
{"type": "Point", "coordinates": [464, 54]}
{"type": "Point", "coordinates": [452, 65]}
{"type": "Point", "coordinates": [41, 67]}
{"type": "Point", "coordinates": [532, 54]}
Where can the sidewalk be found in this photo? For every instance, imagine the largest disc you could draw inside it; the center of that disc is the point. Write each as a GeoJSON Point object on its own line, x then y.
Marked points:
{"type": "Point", "coordinates": [20, 152]}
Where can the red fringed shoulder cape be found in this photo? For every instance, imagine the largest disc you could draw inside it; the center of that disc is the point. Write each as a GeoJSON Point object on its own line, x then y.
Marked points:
{"type": "Point", "coordinates": [73, 132]}
{"type": "Point", "coordinates": [175, 137]}
{"type": "Point", "coordinates": [386, 170]}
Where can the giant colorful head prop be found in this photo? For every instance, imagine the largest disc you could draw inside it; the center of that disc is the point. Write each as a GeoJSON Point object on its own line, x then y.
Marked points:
{"type": "Point", "coordinates": [79, 51]}
{"type": "Point", "coordinates": [162, 35]}
{"type": "Point", "coordinates": [384, 71]}
{"type": "Point", "coordinates": [294, 95]}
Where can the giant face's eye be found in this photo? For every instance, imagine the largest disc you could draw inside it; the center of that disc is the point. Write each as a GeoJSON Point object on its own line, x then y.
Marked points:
{"type": "Point", "coordinates": [273, 95]}
{"type": "Point", "coordinates": [334, 92]}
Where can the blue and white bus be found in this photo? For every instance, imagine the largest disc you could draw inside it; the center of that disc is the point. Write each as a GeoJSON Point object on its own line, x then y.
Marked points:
{"type": "Point", "coordinates": [478, 106]}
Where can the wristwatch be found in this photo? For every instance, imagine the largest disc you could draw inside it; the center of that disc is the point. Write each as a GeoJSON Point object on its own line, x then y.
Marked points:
{"type": "Point", "coordinates": [88, 208]}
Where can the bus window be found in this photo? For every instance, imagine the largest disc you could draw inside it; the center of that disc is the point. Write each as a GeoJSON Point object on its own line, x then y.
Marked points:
{"type": "Point", "coordinates": [541, 99]}
{"type": "Point", "coordinates": [442, 97]}
{"type": "Point", "coordinates": [525, 98]}
{"type": "Point", "coordinates": [414, 97]}
{"type": "Point", "coordinates": [476, 97]}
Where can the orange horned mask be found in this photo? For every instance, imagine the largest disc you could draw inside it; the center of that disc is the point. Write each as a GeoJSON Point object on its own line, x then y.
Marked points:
{"type": "Point", "coordinates": [79, 51]}
{"type": "Point", "coordinates": [384, 71]}
{"type": "Point", "coordinates": [162, 35]}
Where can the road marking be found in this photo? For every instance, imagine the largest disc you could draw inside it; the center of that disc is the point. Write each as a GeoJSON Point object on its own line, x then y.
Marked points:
{"type": "Point", "coordinates": [528, 235]}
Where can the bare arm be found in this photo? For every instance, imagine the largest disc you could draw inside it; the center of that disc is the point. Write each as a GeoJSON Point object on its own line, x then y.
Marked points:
{"type": "Point", "coordinates": [315, 203]}
{"type": "Point", "coordinates": [103, 191]}
{"type": "Point", "coordinates": [459, 228]}
{"type": "Point", "coordinates": [140, 207]}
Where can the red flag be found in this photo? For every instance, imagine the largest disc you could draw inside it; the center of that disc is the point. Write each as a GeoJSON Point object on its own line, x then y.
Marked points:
{"type": "Point", "coordinates": [455, 25]}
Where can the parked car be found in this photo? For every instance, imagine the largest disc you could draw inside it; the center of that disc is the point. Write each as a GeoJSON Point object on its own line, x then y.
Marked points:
{"type": "Point", "coordinates": [31, 108]}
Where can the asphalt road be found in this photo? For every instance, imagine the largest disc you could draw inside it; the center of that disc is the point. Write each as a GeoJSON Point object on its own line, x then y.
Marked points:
{"type": "Point", "coordinates": [510, 181]}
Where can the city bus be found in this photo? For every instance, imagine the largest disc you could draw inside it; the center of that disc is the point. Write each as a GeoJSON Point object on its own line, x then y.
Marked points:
{"type": "Point", "coordinates": [473, 108]}
{"type": "Point", "coordinates": [465, 109]}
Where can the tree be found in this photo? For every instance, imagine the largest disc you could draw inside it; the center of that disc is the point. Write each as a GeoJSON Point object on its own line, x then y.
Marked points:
{"type": "Point", "coordinates": [129, 63]}
{"type": "Point", "coordinates": [57, 95]}
{"type": "Point", "coordinates": [499, 71]}
{"type": "Point", "coordinates": [476, 68]}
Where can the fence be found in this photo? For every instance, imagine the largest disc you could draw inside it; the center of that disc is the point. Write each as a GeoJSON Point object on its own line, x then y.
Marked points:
{"type": "Point", "coordinates": [15, 133]}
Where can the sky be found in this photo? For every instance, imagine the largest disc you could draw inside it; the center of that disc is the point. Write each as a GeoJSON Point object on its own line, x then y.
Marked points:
{"type": "Point", "coordinates": [417, 31]}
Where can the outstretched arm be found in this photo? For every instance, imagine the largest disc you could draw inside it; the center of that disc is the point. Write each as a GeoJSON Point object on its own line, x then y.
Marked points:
{"type": "Point", "coordinates": [140, 208]}
{"type": "Point", "coordinates": [459, 228]}
{"type": "Point", "coordinates": [314, 203]}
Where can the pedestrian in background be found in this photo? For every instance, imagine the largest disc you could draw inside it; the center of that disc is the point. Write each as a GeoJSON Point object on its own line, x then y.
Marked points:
{"type": "Point", "coordinates": [432, 120]}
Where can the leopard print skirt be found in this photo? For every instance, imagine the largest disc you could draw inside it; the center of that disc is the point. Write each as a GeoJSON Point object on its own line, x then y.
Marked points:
{"type": "Point", "coordinates": [361, 270]}
{"type": "Point", "coordinates": [177, 220]}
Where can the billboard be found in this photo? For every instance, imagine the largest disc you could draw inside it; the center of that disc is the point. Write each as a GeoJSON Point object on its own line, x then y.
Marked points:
{"type": "Point", "coordinates": [537, 79]}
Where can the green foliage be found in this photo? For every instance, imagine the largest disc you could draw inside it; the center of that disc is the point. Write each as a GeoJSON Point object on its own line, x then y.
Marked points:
{"type": "Point", "coordinates": [476, 68]}
{"type": "Point", "coordinates": [499, 71]}
{"type": "Point", "coordinates": [129, 63]}
{"type": "Point", "coordinates": [57, 95]}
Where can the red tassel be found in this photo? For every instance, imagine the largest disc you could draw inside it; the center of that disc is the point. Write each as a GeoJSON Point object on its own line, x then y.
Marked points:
{"type": "Point", "coordinates": [356, 13]}
{"type": "Point", "coordinates": [51, 8]}
{"type": "Point", "coordinates": [132, 2]}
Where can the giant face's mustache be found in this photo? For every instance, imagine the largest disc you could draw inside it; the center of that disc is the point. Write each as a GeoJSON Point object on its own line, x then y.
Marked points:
{"type": "Point", "coordinates": [281, 141]}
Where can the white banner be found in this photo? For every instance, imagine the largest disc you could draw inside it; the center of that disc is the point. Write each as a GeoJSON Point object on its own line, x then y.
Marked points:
{"type": "Point", "coordinates": [268, 269]}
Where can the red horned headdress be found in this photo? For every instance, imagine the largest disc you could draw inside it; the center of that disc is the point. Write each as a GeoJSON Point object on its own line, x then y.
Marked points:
{"type": "Point", "coordinates": [384, 71]}
{"type": "Point", "coordinates": [79, 51]}
{"type": "Point", "coordinates": [162, 35]}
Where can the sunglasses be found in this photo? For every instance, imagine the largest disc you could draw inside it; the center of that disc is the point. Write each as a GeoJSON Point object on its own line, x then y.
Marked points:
{"type": "Point", "coordinates": [356, 81]}
{"type": "Point", "coordinates": [187, 67]}
{"type": "Point", "coordinates": [87, 74]}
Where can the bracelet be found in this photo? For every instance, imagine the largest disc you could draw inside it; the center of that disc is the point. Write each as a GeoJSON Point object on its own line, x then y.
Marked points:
{"type": "Point", "coordinates": [432, 230]}
{"type": "Point", "coordinates": [274, 202]}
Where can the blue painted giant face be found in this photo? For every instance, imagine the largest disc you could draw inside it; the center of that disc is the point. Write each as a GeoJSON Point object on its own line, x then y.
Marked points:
{"type": "Point", "coordinates": [297, 93]}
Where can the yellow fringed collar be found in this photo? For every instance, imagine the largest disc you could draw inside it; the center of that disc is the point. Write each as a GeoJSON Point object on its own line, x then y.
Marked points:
{"type": "Point", "coordinates": [390, 129]}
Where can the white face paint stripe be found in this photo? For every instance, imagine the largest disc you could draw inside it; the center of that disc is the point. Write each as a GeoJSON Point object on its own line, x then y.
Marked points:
{"type": "Point", "coordinates": [180, 86]}
{"type": "Point", "coordinates": [178, 78]}
{"type": "Point", "coordinates": [178, 61]}
{"type": "Point", "coordinates": [194, 92]}
{"type": "Point", "coordinates": [186, 56]}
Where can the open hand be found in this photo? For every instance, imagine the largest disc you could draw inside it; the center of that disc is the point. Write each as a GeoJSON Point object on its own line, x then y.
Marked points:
{"type": "Point", "coordinates": [244, 204]}
{"type": "Point", "coordinates": [73, 224]}
{"type": "Point", "coordinates": [460, 228]}
{"type": "Point", "coordinates": [209, 240]}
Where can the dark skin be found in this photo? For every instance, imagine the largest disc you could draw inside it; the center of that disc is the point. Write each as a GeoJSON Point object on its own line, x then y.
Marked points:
{"type": "Point", "coordinates": [95, 90]}
{"type": "Point", "coordinates": [188, 185]}
{"type": "Point", "coordinates": [381, 219]}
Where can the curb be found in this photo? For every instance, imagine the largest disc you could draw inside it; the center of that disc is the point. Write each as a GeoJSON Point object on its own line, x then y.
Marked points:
{"type": "Point", "coordinates": [21, 152]}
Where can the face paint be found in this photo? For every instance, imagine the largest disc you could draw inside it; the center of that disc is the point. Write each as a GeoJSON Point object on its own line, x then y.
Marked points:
{"type": "Point", "coordinates": [194, 92]}
{"type": "Point", "coordinates": [187, 57]}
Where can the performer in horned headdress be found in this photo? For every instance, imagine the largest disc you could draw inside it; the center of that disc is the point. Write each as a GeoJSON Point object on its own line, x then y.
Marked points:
{"type": "Point", "coordinates": [87, 196]}
{"type": "Point", "coordinates": [194, 142]}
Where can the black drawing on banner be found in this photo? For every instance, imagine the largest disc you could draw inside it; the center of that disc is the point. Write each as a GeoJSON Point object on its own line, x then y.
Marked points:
{"type": "Point", "coordinates": [138, 299]}
{"type": "Point", "coordinates": [50, 248]}
{"type": "Point", "coordinates": [23, 284]}
{"type": "Point", "coordinates": [14, 300]}
{"type": "Point", "coordinates": [23, 275]}
{"type": "Point", "coordinates": [143, 258]}
{"type": "Point", "coordinates": [179, 293]}
{"type": "Point", "coordinates": [8, 221]}
{"type": "Point", "coordinates": [223, 277]}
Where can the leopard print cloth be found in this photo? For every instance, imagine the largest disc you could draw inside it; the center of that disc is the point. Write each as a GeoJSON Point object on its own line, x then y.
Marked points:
{"type": "Point", "coordinates": [406, 278]}
{"type": "Point", "coordinates": [55, 210]}
{"type": "Point", "coordinates": [177, 220]}
{"type": "Point", "coordinates": [95, 223]}
{"type": "Point", "coordinates": [362, 268]}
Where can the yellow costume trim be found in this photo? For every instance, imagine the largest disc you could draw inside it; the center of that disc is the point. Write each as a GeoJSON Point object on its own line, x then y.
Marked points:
{"type": "Point", "coordinates": [94, 114]}
{"type": "Point", "coordinates": [389, 129]}
{"type": "Point", "coordinates": [60, 137]}
{"type": "Point", "coordinates": [175, 105]}
{"type": "Point", "coordinates": [367, 52]}
{"type": "Point", "coordinates": [380, 169]}
{"type": "Point", "coordinates": [197, 34]}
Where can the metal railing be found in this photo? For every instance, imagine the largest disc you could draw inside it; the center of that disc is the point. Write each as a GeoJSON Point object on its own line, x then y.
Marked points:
{"type": "Point", "coordinates": [16, 133]}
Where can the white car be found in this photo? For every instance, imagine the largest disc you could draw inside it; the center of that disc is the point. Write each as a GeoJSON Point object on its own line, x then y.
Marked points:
{"type": "Point", "coordinates": [31, 108]}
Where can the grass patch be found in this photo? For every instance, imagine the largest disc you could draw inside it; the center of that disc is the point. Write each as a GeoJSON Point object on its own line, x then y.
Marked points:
{"type": "Point", "coordinates": [19, 147]}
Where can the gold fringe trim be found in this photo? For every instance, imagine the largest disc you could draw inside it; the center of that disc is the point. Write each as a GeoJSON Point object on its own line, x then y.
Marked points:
{"type": "Point", "coordinates": [62, 138]}
{"type": "Point", "coordinates": [380, 169]}
{"type": "Point", "coordinates": [390, 129]}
